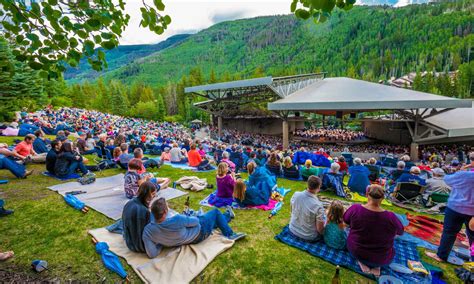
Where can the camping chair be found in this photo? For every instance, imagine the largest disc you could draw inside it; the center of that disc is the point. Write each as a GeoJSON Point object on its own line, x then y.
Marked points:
{"type": "Point", "coordinates": [390, 162]}
{"type": "Point", "coordinates": [407, 192]}
{"type": "Point", "coordinates": [349, 159]}
{"type": "Point", "coordinates": [374, 172]}
{"type": "Point", "coordinates": [275, 170]}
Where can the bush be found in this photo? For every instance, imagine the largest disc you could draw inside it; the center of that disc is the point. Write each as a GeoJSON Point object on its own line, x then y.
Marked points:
{"type": "Point", "coordinates": [174, 118]}
{"type": "Point", "coordinates": [61, 102]}
{"type": "Point", "coordinates": [146, 110]}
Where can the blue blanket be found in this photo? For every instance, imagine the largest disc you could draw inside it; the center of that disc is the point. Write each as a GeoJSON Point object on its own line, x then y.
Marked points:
{"type": "Point", "coordinates": [71, 176]}
{"type": "Point", "coordinates": [403, 251]}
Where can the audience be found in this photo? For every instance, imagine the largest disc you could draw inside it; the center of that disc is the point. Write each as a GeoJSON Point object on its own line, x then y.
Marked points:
{"type": "Point", "coordinates": [307, 212]}
{"type": "Point", "coordinates": [68, 161]}
{"type": "Point", "coordinates": [225, 186]}
{"type": "Point", "coordinates": [253, 195]}
{"type": "Point", "coordinates": [136, 216]}
{"type": "Point", "coordinates": [459, 212]}
{"type": "Point", "coordinates": [26, 152]}
{"type": "Point", "coordinates": [334, 234]}
{"type": "Point", "coordinates": [372, 232]}
{"type": "Point", "coordinates": [359, 177]}
{"type": "Point", "coordinates": [172, 230]}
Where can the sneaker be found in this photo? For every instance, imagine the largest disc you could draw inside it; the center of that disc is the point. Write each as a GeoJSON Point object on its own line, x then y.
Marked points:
{"type": "Point", "coordinates": [4, 212]}
{"type": "Point", "coordinates": [229, 210]}
{"type": "Point", "coordinates": [237, 236]}
{"type": "Point", "coordinates": [27, 173]}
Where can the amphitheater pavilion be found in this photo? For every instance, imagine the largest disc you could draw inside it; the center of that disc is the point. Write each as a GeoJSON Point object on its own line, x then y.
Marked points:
{"type": "Point", "coordinates": [410, 117]}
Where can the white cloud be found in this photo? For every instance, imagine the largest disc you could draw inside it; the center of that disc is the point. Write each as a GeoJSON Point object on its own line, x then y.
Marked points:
{"type": "Point", "coordinates": [192, 16]}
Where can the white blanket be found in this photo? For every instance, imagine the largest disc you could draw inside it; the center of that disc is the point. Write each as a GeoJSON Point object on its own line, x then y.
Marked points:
{"type": "Point", "coordinates": [106, 195]}
{"type": "Point", "coordinates": [173, 265]}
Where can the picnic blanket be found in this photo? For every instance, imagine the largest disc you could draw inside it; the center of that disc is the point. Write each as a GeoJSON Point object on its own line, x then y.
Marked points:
{"type": "Point", "coordinates": [403, 251]}
{"type": "Point", "coordinates": [106, 195]}
{"type": "Point", "coordinates": [430, 230]}
{"type": "Point", "coordinates": [271, 204]}
{"type": "Point", "coordinates": [185, 166]}
{"type": "Point", "coordinates": [173, 265]}
{"type": "Point", "coordinates": [192, 183]}
{"type": "Point", "coordinates": [68, 177]}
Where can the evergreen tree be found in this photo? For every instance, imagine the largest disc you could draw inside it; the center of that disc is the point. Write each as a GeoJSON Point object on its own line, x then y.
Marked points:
{"type": "Point", "coordinates": [7, 70]}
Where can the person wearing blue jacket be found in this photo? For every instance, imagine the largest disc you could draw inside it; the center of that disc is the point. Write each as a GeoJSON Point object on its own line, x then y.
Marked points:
{"type": "Point", "coordinates": [252, 196]}
{"type": "Point", "coordinates": [259, 175]}
{"type": "Point", "coordinates": [359, 177]}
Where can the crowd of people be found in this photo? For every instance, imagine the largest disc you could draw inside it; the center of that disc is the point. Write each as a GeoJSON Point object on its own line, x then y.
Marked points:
{"type": "Point", "coordinates": [329, 134]}
{"type": "Point", "coordinates": [367, 231]}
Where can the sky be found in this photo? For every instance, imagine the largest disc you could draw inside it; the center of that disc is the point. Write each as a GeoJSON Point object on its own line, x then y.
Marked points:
{"type": "Point", "coordinates": [192, 16]}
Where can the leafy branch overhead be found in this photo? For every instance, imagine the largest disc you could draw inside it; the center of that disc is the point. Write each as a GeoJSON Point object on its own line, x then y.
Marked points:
{"type": "Point", "coordinates": [53, 33]}
{"type": "Point", "coordinates": [320, 10]}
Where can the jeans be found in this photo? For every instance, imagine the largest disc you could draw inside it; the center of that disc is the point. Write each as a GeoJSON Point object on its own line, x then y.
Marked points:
{"type": "Point", "coordinates": [74, 166]}
{"type": "Point", "coordinates": [453, 222]}
{"type": "Point", "coordinates": [212, 220]}
{"type": "Point", "coordinates": [88, 152]}
{"type": "Point", "coordinates": [16, 169]}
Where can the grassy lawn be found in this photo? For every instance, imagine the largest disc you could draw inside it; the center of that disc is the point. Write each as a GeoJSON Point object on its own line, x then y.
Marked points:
{"type": "Point", "coordinates": [45, 227]}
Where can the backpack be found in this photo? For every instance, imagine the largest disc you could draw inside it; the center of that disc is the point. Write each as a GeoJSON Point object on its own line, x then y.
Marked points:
{"type": "Point", "coordinates": [87, 178]}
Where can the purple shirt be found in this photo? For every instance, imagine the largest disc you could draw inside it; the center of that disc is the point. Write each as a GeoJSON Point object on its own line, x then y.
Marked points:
{"type": "Point", "coordinates": [225, 186]}
{"type": "Point", "coordinates": [371, 234]}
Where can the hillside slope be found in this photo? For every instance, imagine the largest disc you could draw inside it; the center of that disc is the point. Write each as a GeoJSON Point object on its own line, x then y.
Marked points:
{"type": "Point", "coordinates": [372, 42]}
{"type": "Point", "coordinates": [120, 56]}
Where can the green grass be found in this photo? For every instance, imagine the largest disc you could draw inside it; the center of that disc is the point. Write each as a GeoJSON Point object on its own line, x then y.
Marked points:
{"type": "Point", "coordinates": [45, 227]}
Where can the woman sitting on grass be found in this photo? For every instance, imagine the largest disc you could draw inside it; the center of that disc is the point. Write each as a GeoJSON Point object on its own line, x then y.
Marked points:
{"type": "Point", "coordinates": [273, 164]}
{"type": "Point", "coordinates": [308, 170]}
{"type": "Point", "coordinates": [69, 161]}
{"type": "Point", "coordinates": [225, 187]}
{"type": "Point", "coordinates": [334, 235]}
{"type": "Point", "coordinates": [372, 232]}
{"type": "Point", "coordinates": [136, 216]}
{"type": "Point", "coordinates": [289, 170]}
{"type": "Point", "coordinates": [259, 175]}
{"type": "Point", "coordinates": [251, 196]}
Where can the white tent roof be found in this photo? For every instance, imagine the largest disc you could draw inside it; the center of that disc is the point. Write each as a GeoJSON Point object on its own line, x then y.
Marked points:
{"type": "Point", "coordinates": [356, 95]}
{"type": "Point", "coordinates": [459, 122]}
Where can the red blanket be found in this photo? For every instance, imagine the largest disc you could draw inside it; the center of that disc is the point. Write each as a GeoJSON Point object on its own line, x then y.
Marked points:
{"type": "Point", "coordinates": [430, 230]}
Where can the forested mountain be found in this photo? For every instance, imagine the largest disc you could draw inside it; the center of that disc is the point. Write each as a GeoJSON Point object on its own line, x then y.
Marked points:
{"type": "Point", "coordinates": [120, 56]}
{"type": "Point", "coordinates": [368, 42]}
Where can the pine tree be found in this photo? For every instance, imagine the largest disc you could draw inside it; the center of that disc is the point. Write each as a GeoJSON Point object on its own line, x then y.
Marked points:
{"type": "Point", "coordinates": [212, 77]}
{"type": "Point", "coordinates": [160, 104]}
{"type": "Point", "coordinates": [6, 73]}
{"type": "Point", "coordinates": [119, 100]}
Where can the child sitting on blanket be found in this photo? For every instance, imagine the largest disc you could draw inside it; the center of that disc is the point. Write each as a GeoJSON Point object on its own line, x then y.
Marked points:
{"type": "Point", "coordinates": [334, 234]}
{"type": "Point", "coordinates": [225, 187]}
{"type": "Point", "coordinates": [133, 179]}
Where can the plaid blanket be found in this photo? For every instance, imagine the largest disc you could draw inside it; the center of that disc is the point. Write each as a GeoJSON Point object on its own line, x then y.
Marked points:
{"type": "Point", "coordinates": [430, 230]}
{"type": "Point", "coordinates": [403, 251]}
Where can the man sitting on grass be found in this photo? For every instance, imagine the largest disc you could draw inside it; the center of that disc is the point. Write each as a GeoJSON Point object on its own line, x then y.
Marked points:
{"type": "Point", "coordinates": [307, 212]}
{"type": "Point", "coordinates": [168, 230]}
{"type": "Point", "coordinates": [26, 151]}
{"type": "Point", "coordinates": [9, 164]}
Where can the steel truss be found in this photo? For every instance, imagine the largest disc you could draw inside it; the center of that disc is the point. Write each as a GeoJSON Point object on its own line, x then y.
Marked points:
{"type": "Point", "coordinates": [222, 101]}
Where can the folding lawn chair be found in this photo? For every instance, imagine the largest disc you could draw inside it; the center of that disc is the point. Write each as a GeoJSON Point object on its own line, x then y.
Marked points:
{"type": "Point", "coordinates": [374, 172]}
{"type": "Point", "coordinates": [407, 192]}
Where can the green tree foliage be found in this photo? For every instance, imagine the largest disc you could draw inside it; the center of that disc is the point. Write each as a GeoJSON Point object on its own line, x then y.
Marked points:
{"type": "Point", "coordinates": [147, 110]}
{"type": "Point", "coordinates": [49, 33]}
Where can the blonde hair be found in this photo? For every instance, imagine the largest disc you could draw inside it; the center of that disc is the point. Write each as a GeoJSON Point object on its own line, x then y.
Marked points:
{"type": "Point", "coordinates": [335, 212]}
{"type": "Point", "coordinates": [251, 167]}
{"type": "Point", "coordinates": [287, 162]}
{"type": "Point", "coordinates": [308, 163]}
{"type": "Point", "coordinates": [372, 161]}
{"type": "Point", "coordinates": [222, 169]}
{"type": "Point", "coordinates": [239, 189]}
